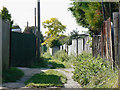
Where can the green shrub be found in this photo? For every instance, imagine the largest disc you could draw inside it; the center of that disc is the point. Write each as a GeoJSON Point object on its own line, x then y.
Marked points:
{"type": "Point", "coordinates": [41, 63]}
{"type": "Point", "coordinates": [61, 56]}
{"type": "Point", "coordinates": [86, 67]}
{"type": "Point", "coordinates": [106, 79]}
{"type": "Point", "coordinates": [47, 55]}
{"type": "Point", "coordinates": [54, 42]}
{"type": "Point", "coordinates": [11, 75]}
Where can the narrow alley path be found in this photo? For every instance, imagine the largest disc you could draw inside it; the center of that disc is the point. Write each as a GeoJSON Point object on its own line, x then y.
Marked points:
{"type": "Point", "coordinates": [28, 72]}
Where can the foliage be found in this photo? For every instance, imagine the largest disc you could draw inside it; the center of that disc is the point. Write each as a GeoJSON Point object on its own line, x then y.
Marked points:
{"type": "Point", "coordinates": [41, 63]}
{"type": "Point", "coordinates": [47, 55]}
{"type": "Point", "coordinates": [47, 79]}
{"type": "Point", "coordinates": [54, 26]}
{"type": "Point", "coordinates": [11, 75]}
{"type": "Point", "coordinates": [62, 39]}
{"type": "Point", "coordinates": [16, 27]}
{"type": "Point", "coordinates": [90, 14]}
{"type": "Point", "coordinates": [6, 16]}
{"type": "Point", "coordinates": [59, 37]}
{"type": "Point", "coordinates": [73, 35]}
{"type": "Point", "coordinates": [47, 60]}
{"type": "Point", "coordinates": [54, 42]}
{"type": "Point", "coordinates": [106, 79]}
{"type": "Point", "coordinates": [61, 55]}
{"type": "Point", "coordinates": [87, 67]}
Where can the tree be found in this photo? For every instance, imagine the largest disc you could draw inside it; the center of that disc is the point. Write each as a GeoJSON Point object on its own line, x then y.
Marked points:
{"type": "Point", "coordinates": [6, 16]}
{"type": "Point", "coordinates": [54, 26]}
{"type": "Point", "coordinates": [90, 14]}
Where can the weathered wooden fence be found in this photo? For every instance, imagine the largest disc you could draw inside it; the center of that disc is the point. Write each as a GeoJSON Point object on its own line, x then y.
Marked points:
{"type": "Point", "coordinates": [103, 44]}
{"type": "Point", "coordinates": [106, 44]}
{"type": "Point", "coordinates": [96, 42]}
{"type": "Point", "coordinates": [4, 44]}
{"type": "Point", "coordinates": [78, 46]}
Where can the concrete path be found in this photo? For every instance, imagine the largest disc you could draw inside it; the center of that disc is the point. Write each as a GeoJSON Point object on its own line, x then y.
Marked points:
{"type": "Point", "coordinates": [28, 72]}
{"type": "Point", "coordinates": [70, 82]}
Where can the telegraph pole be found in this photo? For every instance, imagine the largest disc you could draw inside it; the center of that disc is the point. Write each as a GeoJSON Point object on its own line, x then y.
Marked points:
{"type": "Point", "coordinates": [38, 51]}
{"type": "Point", "coordinates": [103, 11]}
{"type": "Point", "coordinates": [35, 22]}
{"type": "Point", "coordinates": [27, 26]}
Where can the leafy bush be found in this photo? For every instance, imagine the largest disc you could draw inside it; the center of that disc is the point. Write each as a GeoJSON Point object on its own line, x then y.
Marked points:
{"type": "Point", "coordinates": [40, 63]}
{"type": "Point", "coordinates": [106, 79]}
{"type": "Point", "coordinates": [47, 55]}
{"type": "Point", "coordinates": [54, 42]}
{"type": "Point", "coordinates": [61, 56]}
{"type": "Point", "coordinates": [11, 75]}
{"type": "Point", "coordinates": [86, 67]}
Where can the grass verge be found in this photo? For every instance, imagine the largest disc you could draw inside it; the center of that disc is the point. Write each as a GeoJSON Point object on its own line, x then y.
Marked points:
{"type": "Point", "coordinates": [11, 75]}
{"type": "Point", "coordinates": [47, 79]}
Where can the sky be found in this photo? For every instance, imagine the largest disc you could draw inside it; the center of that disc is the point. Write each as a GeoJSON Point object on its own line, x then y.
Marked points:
{"type": "Point", "coordinates": [23, 11]}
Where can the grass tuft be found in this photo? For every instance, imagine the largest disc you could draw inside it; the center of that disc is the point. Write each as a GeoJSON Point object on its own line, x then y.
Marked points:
{"type": "Point", "coordinates": [47, 79]}
{"type": "Point", "coordinates": [11, 75]}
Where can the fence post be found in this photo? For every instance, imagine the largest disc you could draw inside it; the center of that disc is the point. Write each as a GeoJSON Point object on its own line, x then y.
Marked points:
{"type": "Point", "coordinates": [115, 21]}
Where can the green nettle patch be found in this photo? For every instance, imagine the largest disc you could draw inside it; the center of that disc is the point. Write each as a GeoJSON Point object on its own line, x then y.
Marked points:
{"type": "Point", "coordinates": [47, 79]}
{"type": "Point", "coordinates": [11, 75]}
{"type": "Point", "coordinates": [59, 60]}
{"type": "Point", "coordinates": [92, 72]}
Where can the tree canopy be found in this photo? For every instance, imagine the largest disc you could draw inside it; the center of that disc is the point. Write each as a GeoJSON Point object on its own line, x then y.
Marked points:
{"type": "Point", "coordinates": [54, 26]}
{"type": "Point", "coordinates": [6, 16]}
{"type": "Point", "coordinates": [90, 14]}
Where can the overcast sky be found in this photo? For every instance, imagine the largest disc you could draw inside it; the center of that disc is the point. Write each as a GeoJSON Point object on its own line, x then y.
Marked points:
{"type": "Point", "coordinates": [23, 11]}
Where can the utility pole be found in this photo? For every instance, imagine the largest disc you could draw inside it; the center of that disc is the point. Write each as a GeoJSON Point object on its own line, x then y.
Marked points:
{"type": "Point", "coordinates": [35, 22]}
{"type": "Point", "coordinates": [38, 51]}
{"type": "Point", "coordinates": [27, 26]}
{"type": "Point", "coordinates": [103, 11]}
